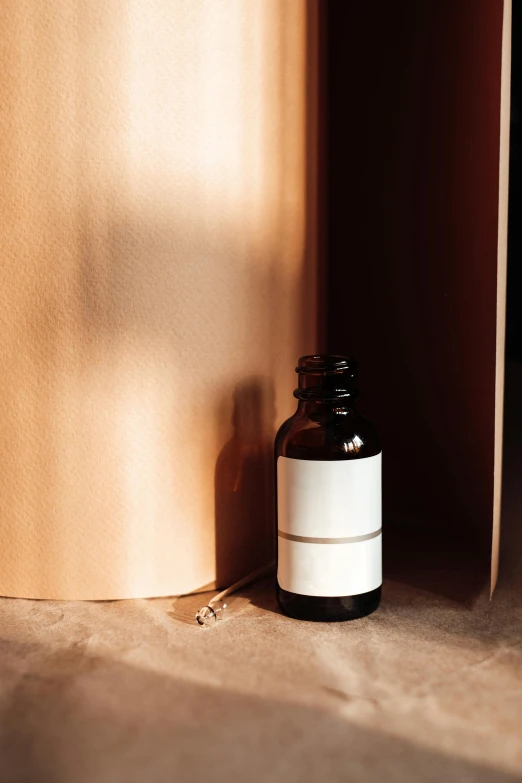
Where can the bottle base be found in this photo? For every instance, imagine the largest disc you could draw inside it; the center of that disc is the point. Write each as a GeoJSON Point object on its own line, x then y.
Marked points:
{"type": "Point", "coordinates": [322, 609]}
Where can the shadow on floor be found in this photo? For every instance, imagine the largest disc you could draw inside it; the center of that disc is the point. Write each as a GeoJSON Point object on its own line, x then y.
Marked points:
{"type": "Point", "coordinates": [71, 718]}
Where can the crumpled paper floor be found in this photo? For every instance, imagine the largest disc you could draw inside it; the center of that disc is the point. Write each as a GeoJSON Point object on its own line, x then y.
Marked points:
{"type": "Point", "coordinates": [425, 689]}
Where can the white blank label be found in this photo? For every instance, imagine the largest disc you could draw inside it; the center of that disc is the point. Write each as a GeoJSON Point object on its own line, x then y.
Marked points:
{"type": "Point", "coordinates": [329, 500]}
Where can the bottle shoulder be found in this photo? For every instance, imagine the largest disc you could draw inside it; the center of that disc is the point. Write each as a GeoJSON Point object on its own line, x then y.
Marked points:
{"type": "Point", "coordinates": [342, 436]}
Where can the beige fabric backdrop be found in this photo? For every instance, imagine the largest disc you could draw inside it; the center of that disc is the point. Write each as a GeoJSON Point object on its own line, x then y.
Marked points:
{"type": "Point", "coordinates": [157, 278]}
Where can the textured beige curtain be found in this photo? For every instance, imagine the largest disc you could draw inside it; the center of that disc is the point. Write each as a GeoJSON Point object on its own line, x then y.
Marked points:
{"type": "Point", "coordinates": [157, 278]}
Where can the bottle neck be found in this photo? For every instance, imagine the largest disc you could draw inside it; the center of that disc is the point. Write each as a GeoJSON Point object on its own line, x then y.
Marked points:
{"type": "Point", "coordinates": [332, 389]}
{"type": "Point", "coordinates": [328, 407]}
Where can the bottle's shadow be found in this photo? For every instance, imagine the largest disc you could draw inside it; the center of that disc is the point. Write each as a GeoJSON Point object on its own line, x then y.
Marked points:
{"type": "Point", "coordinates": [244, 485]}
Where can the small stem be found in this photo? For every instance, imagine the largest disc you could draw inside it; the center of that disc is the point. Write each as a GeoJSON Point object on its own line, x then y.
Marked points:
{"type": "Point", "coordinates": [246, 580]}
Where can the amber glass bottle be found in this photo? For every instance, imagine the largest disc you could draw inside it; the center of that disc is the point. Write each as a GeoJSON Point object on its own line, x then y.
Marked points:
{"type": "Point", "coordinates": [328, 466]}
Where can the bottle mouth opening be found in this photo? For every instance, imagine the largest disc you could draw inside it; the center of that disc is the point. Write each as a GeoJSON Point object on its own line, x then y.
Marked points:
{"type": "Point", "coordinates": [326, 364]}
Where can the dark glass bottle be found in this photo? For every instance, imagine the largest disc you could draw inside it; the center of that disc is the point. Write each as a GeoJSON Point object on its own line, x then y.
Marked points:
{"type": "Point", "coordinates": [328, 465]}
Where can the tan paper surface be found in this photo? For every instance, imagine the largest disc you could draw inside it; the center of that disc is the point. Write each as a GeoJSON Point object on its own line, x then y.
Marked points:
{"type": "Point", "coordinates": [423, 691]}
{"type": "Point", "coordinates": [156, 276]}
{"type": "Point", "coordinates": [501, 283]}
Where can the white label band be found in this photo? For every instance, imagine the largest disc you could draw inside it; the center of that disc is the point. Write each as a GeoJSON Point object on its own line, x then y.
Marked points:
{"type": "Point", "coordinates": [337, 503]}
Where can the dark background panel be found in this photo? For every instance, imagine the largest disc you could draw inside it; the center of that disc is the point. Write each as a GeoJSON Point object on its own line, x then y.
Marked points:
{"type": "Point", "coordinates": [514, 288]}
{"type": "Point", "coordinates": [413, 154]}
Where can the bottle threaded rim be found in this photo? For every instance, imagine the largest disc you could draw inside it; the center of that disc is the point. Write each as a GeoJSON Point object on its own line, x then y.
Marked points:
{"type": "Point", "coordinates": [326, 364]}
